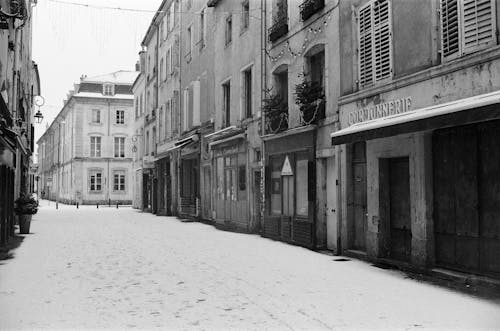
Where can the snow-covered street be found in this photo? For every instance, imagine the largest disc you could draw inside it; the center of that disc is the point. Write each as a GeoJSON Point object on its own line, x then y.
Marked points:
{"type": "Point", "coordinates": [107, 268]}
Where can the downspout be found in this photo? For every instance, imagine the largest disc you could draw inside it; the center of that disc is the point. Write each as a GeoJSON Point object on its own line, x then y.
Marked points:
{"type": "Point", "coordinates": [109, 158]}
{"type": "Point", "coordinates": [263, 66]}
{"type": "Point", "coordinates": [181, 104]}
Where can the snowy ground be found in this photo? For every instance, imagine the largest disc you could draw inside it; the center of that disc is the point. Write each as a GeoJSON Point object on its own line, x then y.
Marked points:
{"type": "Point", "coordinates": [116, 269]}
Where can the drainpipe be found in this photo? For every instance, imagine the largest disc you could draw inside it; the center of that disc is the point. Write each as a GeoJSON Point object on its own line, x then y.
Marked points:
{"type": "Point", "coordinates": [263, 66]}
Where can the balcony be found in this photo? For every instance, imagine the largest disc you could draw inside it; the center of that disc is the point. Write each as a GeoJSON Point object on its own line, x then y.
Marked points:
{"type": "Point", "coordinates": [276, 114]}
{"type": "Point", "coordinates": [309, 7]}
{"type": "Point", "coordinates": [280, 23]}
{"type": "Point", "coordinates": [310, 97]}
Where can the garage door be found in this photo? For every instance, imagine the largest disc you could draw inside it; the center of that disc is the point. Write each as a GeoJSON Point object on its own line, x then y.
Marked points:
{"type": "Point", "coordinates": [466, 198]}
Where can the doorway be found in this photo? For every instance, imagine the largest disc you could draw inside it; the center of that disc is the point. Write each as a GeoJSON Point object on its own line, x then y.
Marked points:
{"type": "Point", "coordinates": [359, 196]}
{"type": "Point", "coordinates": [399, 209]}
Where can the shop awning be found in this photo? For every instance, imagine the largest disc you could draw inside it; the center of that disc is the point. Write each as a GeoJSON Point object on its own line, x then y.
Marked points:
{"type": "Point", "coordinates": [191, 139]}
{"type": "Point", "coordinates": [232, 138]}
{"type": "Point", "coordinates": [479, 108]}
{"type": "Point", "coordinates": [223, 133]}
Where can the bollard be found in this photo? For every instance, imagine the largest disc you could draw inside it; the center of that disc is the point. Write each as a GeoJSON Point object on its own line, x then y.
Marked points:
{"type": "Point", "coordinates": [109, 202]}
{"type": "Point", "coordinates": [117, 205]}
{"type": "Point", "coordinates": [98, 205]}
{"type": "Point", "coordinates": [57, 205]}
{"type": "Point", "coordinates": [77, 205]}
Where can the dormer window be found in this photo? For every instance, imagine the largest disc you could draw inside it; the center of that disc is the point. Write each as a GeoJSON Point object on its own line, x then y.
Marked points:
{"type": "Point", "coordinates": [108, 89]}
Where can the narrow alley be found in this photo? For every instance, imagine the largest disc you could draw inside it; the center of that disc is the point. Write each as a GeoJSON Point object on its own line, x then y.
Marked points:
{"type": "Point", "coordinates": [107, 268]}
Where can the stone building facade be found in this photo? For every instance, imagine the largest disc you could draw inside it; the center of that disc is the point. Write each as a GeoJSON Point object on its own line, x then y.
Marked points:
{"type": "Point", "coordinates": [85, 154]}
{"type": "Point", "coordinates": [19, 86]}
{"type": "Point", "coordinates": [418, 130]}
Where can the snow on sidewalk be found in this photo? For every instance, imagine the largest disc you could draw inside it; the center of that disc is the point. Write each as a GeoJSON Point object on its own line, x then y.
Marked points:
{"type": "Point", "coordinates": [107, 268]}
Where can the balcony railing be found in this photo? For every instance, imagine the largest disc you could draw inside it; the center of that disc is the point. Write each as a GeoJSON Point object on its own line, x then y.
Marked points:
{"type": "Point", "coordinates": [309, 7]}
{"type": "Point", "coordinates": [312, 113]}
{"type": "Point", "coordinates": [280, 23]}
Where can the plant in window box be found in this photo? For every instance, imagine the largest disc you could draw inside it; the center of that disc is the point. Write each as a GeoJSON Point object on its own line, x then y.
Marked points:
{"type": "Point", "coordinates": [276, 111]}
{"type": "Point", "coordinates": [26, 206]}
{"type": "Point", "coordinates": [311, 99]}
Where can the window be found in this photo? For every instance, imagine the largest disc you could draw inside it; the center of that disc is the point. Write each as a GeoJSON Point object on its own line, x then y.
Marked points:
{"type": "Point", "coordinates": [162, 30]}
{"type": "Point", "coordinates": [120, 117]}
{"type": "Point", "coordinates": [245, 15]}
{"type": "Point", "coordinates": [119, 181]}
{"type": "Point", "coordinates": [301, 196]}
{"type": "Point", "coordinates": [162, 73]}
{"type": "Point", "coordinates": [153, 142]}
{"type": "Point", "coordinates": [466, 26]}
{"type": "Point", "coordinates": [169, 63]}
{"type": "Point", "coordinates": [188, 42]}
{"type": "Point", "coordinates": [95, 146]}
{"type": "Point", "coordinates": [96, 116]}
{"type": "Point", "coordinates": [119, 147]}
{"type": "Point", "coordinates": [146, 143]}
{"type": "Point", "coordinates": [95, 181]}
{"type": "Point", "coordinates": [229, 29]}
{"type": "Point", "coordinates": [168, 120]}
{"type": "Point", "coordinates": [202, 29]}
{"type": "Point", "coordinates": [141, 108]}
{"type": "Point", "coordinates": [108, 89]}
{"type": "Point", "coordinates": [374, 42]}
{"type": "Point", "coordinates": [226, 99]}
{"type": "Point", "coordinates": [247, 93]}
{"type": "Point", "coordinates": [160, 123]}
{"type": "Point", "coordinates": [136, 107]}
{"type": "Point", "coordinates": [317, 68]}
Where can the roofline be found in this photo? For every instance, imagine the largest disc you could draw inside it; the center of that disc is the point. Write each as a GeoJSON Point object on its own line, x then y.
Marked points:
{"type": "Point", "coordinates": [148, 35]}
{"type": "Point", "coordinates": [140, 75]}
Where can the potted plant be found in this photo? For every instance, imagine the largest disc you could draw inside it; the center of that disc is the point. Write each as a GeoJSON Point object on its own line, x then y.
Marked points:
{"type": "Point", "coordinates": [311, 99]}
{"type": "Point", "coordinates": [26, 206]}
{"type": "Point", "coordinates": [276, 111]}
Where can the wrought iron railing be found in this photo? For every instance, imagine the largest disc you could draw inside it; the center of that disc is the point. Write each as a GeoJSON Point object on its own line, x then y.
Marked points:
{"type": "Point", "coordinates": [309, 7]}
{"type": "Point", "coordinates": [280, 22]}
{"type": "Point", "coordinates": [312, 113]}
{"type": "Point", "coordinates": [277, 122]}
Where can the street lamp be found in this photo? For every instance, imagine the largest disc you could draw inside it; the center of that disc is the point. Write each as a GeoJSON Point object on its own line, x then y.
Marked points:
{"type": "Point", "coordinates": [38, 116]}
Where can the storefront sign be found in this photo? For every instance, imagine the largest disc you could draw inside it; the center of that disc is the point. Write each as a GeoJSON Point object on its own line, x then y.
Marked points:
{"type": "Point", "coordinates": [384, 109]}
{"type": "Point", "coordinates": [287, 168]}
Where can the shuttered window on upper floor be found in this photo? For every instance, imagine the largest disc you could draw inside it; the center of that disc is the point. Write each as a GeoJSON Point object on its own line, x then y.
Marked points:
{"type": "Point", "coordinates": [374, 42]}
{"type": "Point", "coordinates": [466, 26]}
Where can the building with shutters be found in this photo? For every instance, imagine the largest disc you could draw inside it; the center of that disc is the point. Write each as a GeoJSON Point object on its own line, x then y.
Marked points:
{"type": "Point", "coordinates": [166, 159]}
{"type": "Point", "coordinates": [234, 148]}
{"type": "Point", "coordinates": [19, 87]}
{"type": "Point", "coordinates": [419, 125]}
{"type": "Point", "coordinates": [299, 112]}
{"type": "Point", "coordinates": [85, 155]}
{"type": "Point", "coordinates": [138, 141]}
{"type": "Point", "coordinates": [196, 109]}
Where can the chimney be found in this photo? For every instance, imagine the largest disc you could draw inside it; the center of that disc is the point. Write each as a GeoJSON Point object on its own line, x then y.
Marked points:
{"type": "Point", "coordinates": [138, 66]}
{"type": "Point", "coordinates": [142, 59]}
{"type": "Point", "coordinates": [82, 77]}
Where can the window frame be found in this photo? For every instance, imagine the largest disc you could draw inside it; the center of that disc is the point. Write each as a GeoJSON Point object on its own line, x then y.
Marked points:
{"type": "Point", "coordinates": [108, 89]}
{"type": "Point", "coordinates": [228, 30]}
{"type": "Point", "coordinates": [374, 80]}
{"type": "Point", "coordinates": [120, 117]}
{"type": "Point", "coordinates": [462, 49]}
{"type": "Point", "coordinates": [245, 15]}
{"type": "Point", "coordinates": [98, 112]}
{"type": "Point", "coordinates": [93, 186]}
{"type": "Point", "coordinates": [120, 151]}
{"type": "Point", "coordinates": [121, 186]}
{"type": "Point", "coordinates": [95, 146]}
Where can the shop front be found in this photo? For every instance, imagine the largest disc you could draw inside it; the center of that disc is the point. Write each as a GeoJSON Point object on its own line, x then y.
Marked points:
{"type": "Point", "coordinates": [229, 161]}
{"type": "Point", "coordinates": [290, 187]}
{"type": "Point", "coordinates": [7, 172]}
{"type": "Point", "coordinates": [420, 183]}
{"type": "Point", "coordinates": [189, 176]}
{"type": "Point", "coordinates": [164, 186]}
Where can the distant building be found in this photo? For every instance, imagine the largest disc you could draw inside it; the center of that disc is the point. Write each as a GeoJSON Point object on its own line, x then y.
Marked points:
{"type": "Point", "coordinates": [85, 155]}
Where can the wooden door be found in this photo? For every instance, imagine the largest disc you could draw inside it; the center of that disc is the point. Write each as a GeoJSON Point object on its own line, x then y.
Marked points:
{"type": "Point", "coordinates": [207, 197]}
{"type": "Point", "coordinates": [359, 197]}
{"type": "Point", "coordinates": [257, 201]}
{"type": "Point", "coordinates": [399, 211]}
{"type": "Point", "coordinates": [331, 204]}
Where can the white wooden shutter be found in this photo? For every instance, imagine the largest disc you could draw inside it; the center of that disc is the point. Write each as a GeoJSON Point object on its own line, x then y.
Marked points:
{"type": "Point", "coordinates": [450, 28]}
{"type": "Point", "coordinates": [478, 24]}
{"type": "Point", "coordinates": [382, 39]}
{"type": "Point", "coordinates": [365, 45]}
{"type": "Point", "coordinates": [185, 117]}
{"type": "Point", "coordinates": [196, 103]}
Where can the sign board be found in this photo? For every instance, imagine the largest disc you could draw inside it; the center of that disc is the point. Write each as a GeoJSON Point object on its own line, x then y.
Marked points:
{"type": "Point", "coordinates": [287, 168]}
{"type": "Point", "coordinates": [380, 110]}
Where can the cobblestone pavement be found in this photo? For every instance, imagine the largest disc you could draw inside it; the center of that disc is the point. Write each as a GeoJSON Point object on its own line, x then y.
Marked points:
{"type": "Point", "coordinates": [106, 268]}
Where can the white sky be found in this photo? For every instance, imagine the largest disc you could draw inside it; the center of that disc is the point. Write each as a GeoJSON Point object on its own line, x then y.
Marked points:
{"type": "Point", "coordinates": [70, 40]}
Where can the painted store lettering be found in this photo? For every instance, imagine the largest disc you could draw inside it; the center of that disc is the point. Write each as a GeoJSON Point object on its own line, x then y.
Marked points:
{"type": "Point", "coordinates": [385, 109]}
